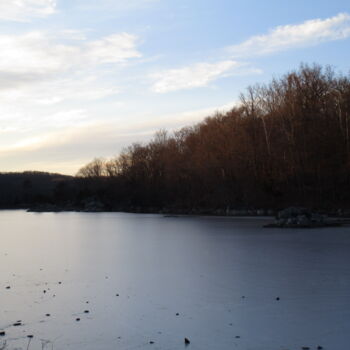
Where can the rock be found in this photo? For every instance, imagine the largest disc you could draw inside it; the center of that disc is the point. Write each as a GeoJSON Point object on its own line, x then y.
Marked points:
{"type": "Point", "coordinates": [17, 324]}
{"type": "Point", "coordinates": [237, 336]}
{"type": "Point", "coordinates": [8, 287]}
{"type": "Point", "coordinates": [86, 311]}
{"type": "Point", "coordinates": [30, 336]}
{"type": "Point", "coordinates": [2, 333]}
{"type": "Point", "coordinates": [77, 319]}
{"type": "Point", "coordinates": [177, 314]}
{"type": "Point", "coordinates": [319, 347]}
{"type": "Point", "coordinates": [278, 298]}
{"type": "Point", "coordinates": [293, 212]}
{"type": "Point", "coordinates": [48, 315]}
{"type": "Point", "coordinates": [295, 217]}
{"type": "Point", "coordinates": [305, 348]}
{"type": "Point", "coordinates": [151, 342]}
{"type": "Point", "coordinates": [187, 341]}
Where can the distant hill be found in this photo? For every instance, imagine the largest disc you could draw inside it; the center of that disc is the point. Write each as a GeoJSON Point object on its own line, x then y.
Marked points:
{"type": "Point", "coordinates": [21, 190]}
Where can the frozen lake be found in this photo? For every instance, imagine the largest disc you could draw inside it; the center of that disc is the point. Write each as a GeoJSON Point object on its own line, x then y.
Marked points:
{"type": "Point", "coordinates": [149, 278]}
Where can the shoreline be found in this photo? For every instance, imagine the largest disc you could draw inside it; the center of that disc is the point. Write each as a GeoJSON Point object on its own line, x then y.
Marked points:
{"type": "Point", "coordinates": [260, 213]}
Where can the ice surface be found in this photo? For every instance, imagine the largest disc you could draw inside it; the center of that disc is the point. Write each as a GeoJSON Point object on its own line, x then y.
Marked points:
{"type": "Point", "coordinates": [221, 275]}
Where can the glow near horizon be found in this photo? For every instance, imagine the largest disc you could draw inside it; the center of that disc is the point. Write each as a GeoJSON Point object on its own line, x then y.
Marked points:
{"type": "Point", "coordinates": [80, 80]}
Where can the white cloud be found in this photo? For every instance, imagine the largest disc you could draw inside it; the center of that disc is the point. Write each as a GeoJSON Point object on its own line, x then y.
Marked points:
{"type": "Point", "coordinates": [197, 75]}
{"type": "Point", "coordinates": [33, 53]}
{"type": "Point", "coordinates": [115, 48]}
{"type": "Point", "coordinates": [44, 83]}
{"type": "Point", "coordinates": [36, 55]}
{"type": "Point", "coordinates": [23, 10]}
{"type": "Point", "coordinates": [308, 33]}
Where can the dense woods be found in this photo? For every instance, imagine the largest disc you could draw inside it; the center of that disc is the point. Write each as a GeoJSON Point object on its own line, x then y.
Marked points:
{"type": "Point", "coordinates": [286, 143]}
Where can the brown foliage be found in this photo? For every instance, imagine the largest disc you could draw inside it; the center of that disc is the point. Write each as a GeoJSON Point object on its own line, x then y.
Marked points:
{"type": "Point", "coordinates": [286, 143]}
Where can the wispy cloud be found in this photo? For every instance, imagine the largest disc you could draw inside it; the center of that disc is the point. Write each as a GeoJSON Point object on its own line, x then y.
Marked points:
{"type": "Point", "coordinates": [37, 51]}
{"type": "Point", "coordinates": [24, 10]}
{"type": "Point", "coordinates": [36, 55]}
{"type": "Point", "coordinates": [67, 149]}
{"type": "Point", "coordinates": [308, 33]}
{"type": "Point", "coordinates": [33, 53]}
{"type": "Point", "coordinates": [193, 76]}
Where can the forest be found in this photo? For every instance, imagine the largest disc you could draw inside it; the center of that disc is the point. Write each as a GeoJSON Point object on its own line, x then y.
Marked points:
{"type": "Point", "coordinates": [285, 143]}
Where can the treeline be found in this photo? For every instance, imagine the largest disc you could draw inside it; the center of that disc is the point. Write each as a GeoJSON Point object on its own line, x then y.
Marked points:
{"type": "Point", "coordinates": [31, 188]}
{"type": "Point", "coordinates": [286, 143]}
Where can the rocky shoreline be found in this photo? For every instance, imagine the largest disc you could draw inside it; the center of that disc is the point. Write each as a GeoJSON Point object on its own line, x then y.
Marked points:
{"type": "Point", "coordinates": [291, 217]}
{"type": "Point", "coordinates": [297, 217]}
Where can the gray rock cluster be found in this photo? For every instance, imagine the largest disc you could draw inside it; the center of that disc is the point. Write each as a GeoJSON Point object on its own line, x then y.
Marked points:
{"type": "Point", "coordinates": [300, 217]}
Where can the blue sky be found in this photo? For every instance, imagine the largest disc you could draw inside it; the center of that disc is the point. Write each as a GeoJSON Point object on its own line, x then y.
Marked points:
{"type": "Point", "coordinates": [84, 78]}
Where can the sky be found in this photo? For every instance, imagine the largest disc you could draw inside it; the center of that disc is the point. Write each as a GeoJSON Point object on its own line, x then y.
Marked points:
{"type": "Point", "coordinates": [83, 78]}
